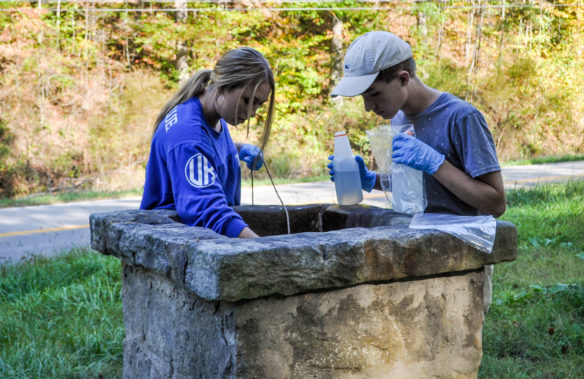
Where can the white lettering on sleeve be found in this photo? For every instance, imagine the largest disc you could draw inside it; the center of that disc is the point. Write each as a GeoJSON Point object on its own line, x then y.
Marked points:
{"type": "Point", "coordinates": [170, 119]}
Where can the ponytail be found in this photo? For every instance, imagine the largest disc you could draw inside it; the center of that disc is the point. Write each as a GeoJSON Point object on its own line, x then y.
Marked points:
{"type": "Point", "coordinates": [194, 86]}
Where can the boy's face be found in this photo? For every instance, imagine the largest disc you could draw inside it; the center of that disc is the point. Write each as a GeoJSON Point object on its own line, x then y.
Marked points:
{"type": "Point", "coordinates": [386, 98]}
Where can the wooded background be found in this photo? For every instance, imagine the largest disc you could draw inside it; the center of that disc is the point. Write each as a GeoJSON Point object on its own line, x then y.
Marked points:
{"type": "Point", "coordinates": [82, 82]}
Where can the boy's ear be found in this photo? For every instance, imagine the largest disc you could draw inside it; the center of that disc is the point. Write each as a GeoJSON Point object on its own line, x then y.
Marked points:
{"type": "Point", "coordinates": [404, 77]}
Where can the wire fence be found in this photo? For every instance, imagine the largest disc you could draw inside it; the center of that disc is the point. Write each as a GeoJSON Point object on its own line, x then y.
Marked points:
{"type": "Point", "coordinates": [230, 6]}
{"type": "Point", "coordinates": [224, 2]}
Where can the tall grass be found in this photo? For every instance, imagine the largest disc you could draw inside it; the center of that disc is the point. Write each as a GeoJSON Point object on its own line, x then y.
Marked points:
{"type": "Point", "coordinates": [62, 317]}
{"type": "Point", "coordinates": [544, 160]}
{"type": "Point", "coordinates": [535, 327]}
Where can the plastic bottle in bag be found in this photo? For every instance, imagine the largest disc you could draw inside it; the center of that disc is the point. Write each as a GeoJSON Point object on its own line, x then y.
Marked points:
{"type": "Point", "coordinates": [347, 179]}
{"type": "Point", "coordinates": [380, 139]}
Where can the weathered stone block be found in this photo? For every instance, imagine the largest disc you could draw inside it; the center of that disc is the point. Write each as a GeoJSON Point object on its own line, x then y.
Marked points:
{"type": "Point", "coordinates": [353, 293]}
{"type": "Point", "coordinates": [421, 328]}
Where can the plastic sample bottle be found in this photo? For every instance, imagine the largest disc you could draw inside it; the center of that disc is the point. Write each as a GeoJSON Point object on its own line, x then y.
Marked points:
{"type": "Point", "coordinates": [347, 179]}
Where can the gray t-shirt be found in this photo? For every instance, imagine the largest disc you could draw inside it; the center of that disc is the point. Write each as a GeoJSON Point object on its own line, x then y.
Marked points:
{"type": "Point", "coordinates": [459, 131]}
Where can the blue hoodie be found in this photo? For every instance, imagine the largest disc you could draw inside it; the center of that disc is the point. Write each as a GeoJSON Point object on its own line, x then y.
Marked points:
{"type": "Point", "coordinates": [194, 169]}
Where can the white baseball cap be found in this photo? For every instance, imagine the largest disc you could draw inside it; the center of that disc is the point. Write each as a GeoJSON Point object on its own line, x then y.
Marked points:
{"type": "Point", "coordinates": [365, 57]}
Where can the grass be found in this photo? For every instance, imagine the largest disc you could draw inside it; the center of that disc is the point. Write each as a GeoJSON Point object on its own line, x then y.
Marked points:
{"type": "Point", "coordinates": [66, 197]}
{"type": "Point", "coordinates": [62, 317]}
{"type": "Point", "coordinates": [246, 182]}
{"type": "Point", "coordinates": [535, 327]}
{"type": "Point", "coordinates": [543, 160]}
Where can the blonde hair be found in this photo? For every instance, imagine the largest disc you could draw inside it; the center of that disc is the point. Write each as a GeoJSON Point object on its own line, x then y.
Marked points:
{"type": "Point", "coordinates": [236, 68]}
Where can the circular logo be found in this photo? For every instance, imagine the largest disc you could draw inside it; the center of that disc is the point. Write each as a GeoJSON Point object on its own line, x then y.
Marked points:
{"type": "Point", "coordinates": [199, 172]}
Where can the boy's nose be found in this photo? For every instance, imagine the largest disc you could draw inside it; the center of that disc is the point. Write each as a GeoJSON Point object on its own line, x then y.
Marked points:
{"type": "Point", "coordinates": [369, 105]}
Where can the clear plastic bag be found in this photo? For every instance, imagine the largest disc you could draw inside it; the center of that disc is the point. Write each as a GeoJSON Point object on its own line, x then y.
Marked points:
{"type": "Point", "coordinates": [407, 189]}
{"type": "Point", "coordinates": [404, 184]}
{"type": "Point", "coordinates": [478, 231]}
{"type": "Point", "coordinates": [380, 141]}
{"type": "Point", "coordinates": [407, 184]}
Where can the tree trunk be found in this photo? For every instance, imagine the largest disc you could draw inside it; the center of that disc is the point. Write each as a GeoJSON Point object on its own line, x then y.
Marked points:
{"type": "Point", "coordinates": [476, 51]}
{"type": "Point", "coordinates": [181, 64]}
{"type": "Point", "coordinates": [501, 39]}
{"type": "Point", "coordinates": [421, 20]}
{"type": "Point", "coordinates": [70, 46]}
{"type": "Point", "coordinates": [478, 40]}
{"type": "Point", "coordinates": [441, 30]}
{"type": "Point", "coordinates": [181, 13]}
{"type": "Point", "coordinates": [470, 23]}
{"type": "Point", "coordinates": [336, 52]}
{"type": "Point", "coordinates": [59, 25]}
{"type": "Point", "coordinates": [86, 35]}
{"type": "Point", "coordinates": [40, 15]}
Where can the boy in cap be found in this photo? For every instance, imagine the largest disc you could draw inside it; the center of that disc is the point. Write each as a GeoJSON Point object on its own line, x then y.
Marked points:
{"type": "Point", "coordinates": [453, 145]}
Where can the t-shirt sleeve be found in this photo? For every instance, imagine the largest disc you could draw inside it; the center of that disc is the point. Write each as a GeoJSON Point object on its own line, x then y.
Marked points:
{"type": "Point", "coordinates": [198, 195]}
{"type": "Point", "coordinates": [474, 145]}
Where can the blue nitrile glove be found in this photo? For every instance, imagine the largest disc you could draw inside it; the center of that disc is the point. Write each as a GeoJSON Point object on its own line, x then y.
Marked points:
{"type": "Point", "coordinates": [248, 154]}
{"type": "Point", "coordinates": [368, 177]}
{"type": "Point", "coordinates": [414, 153]}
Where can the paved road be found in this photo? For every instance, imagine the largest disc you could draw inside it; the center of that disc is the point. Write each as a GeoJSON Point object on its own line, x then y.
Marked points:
{"type": "Point", "coordinates": [50, 229]}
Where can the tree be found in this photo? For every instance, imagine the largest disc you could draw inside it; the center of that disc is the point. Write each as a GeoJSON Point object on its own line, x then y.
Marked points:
{"type": "Point", "coordinates": [336, 52]}
{"type": "Point", "coordinates": [181, 64]}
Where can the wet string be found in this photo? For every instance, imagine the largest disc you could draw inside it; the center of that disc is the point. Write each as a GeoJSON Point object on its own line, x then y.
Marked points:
{"type": "Point", "coordinates": [275, 189]}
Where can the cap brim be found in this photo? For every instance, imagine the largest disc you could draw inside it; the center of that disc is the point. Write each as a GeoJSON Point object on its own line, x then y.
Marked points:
{"type": "Point", "coordinates": [353, 85]}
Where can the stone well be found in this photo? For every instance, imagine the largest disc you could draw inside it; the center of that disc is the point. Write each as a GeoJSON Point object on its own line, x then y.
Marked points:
{"type": "Point", "coordinates": [351, 293]}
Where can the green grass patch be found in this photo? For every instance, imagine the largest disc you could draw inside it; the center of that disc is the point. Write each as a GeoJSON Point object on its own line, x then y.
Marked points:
{"type": "Point", "coordinates": [544, 160]}
{"type": "Point", "coordinates": [61, 317]}
{"type": "Point", "coordinates": [66, 198]}
{"type": "Point", "coordinates": [535, 327]}
{"type": "Point", "coordinates": [246, 182]}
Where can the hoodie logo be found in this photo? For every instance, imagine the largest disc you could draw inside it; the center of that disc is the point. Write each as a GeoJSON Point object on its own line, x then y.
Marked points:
{"type": "Point", "coordinates": [347, 67]}
{"type": "Point", "coordinates": [199, 172]}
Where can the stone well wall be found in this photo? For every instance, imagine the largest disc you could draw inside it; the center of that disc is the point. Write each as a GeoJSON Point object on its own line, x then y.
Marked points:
{"type": "Point", "coordinates": [353, 292]}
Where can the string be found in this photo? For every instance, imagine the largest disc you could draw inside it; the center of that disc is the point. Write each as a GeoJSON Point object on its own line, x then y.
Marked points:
{"type": "Point", "coordinates": [277, 194]}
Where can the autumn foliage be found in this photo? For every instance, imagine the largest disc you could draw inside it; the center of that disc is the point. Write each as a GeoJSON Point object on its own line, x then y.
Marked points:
{"type": "Point", "coordinates": [80, 87]}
